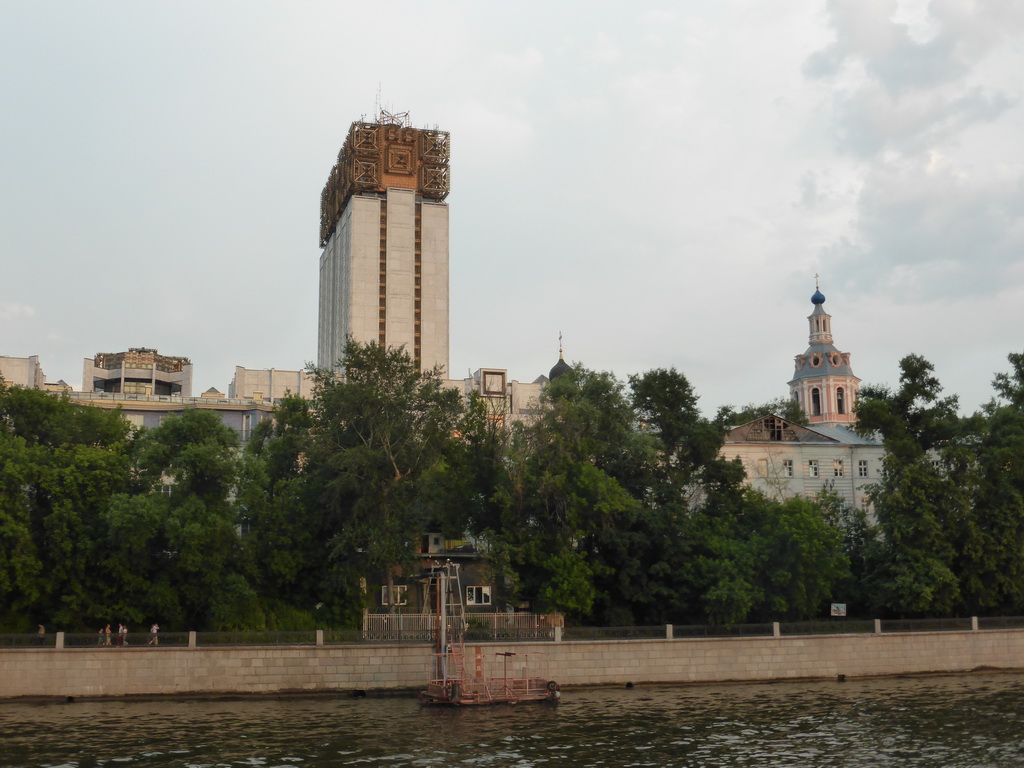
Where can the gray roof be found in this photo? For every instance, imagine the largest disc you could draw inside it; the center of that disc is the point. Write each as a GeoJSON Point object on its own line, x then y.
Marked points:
{"type": "Point", "coordinates": [845, 435]}
{"type": "Point", "coordinates": [753, 432]}
{"type": "Point", "coordinates": [825, 368]}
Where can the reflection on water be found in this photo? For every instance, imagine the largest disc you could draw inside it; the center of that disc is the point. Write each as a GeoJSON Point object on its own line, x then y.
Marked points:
{"type": "Point", "coordinates": [975, 720]}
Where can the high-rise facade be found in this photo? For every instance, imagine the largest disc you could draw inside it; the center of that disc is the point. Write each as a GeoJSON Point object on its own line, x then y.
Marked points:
{"type": "Point", "coordinates": [384, 234]}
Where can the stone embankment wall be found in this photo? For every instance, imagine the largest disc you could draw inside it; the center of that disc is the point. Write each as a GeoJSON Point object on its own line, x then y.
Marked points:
{"type": "Point", "coordinates": [345, 668]}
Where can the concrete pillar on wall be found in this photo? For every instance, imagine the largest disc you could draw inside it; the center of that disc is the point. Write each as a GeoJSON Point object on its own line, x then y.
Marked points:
{"type": "Point", "coordinates": [60, 641]}
{"type": "Point", "coordinates": [878, 626]}
{"type": "Point", "coordinates": [974, 623]}
{"type": "Point", "coordinates": [776, 632]}
{"type": "Point", "coordinates": [319, 637]}
{"type": "Point", "coordinates": [558, 634]}
{"type": "Point", "coordinates": [668, 631]}
{"type": "Point", "coordinates": [192, 639]}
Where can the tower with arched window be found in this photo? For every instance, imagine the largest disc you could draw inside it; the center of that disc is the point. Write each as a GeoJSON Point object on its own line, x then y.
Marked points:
{"type": "Point", "coordinates": [823, 383]}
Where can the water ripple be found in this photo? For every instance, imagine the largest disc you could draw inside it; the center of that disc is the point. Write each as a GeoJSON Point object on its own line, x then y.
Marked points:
{"type": "Point", "coordinates": [968, 721]}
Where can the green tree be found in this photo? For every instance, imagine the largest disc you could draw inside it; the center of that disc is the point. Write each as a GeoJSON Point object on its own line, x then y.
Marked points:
{"type": "Point", "coordinates": [569, 501]}
{"type": "Point", "coordinates": [285, 529]}
{"type": "Point", "coordinates": [919, 502]}
{"type": "Point", "coordinates": [991, 562]}
{"type": "Point", "coordinates": [21, 567]}
{"type": "Point", "coordinates": [384, 437]}
{"type": "Point", "coordinates": [61, 465]}
{"type": "Point", "coordinates": [190, 570]}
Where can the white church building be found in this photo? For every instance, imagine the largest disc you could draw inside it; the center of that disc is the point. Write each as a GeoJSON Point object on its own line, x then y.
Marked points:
{"type": "Point", "coordinates": [783, 459]}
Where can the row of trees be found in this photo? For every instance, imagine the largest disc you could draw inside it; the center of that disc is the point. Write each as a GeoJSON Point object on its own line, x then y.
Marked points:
{"type": "Point", "coordinates": [614, 506]}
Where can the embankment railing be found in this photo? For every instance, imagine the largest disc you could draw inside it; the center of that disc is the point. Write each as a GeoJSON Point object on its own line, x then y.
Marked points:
{"type": "Point", "coordinates": [497, 627]}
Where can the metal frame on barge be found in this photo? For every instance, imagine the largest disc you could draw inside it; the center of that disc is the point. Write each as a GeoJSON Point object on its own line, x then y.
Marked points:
{"type": "Point", "coordinates": [450, 683]}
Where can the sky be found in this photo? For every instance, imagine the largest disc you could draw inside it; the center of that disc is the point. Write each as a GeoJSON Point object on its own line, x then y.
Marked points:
{"type": "Point", "coordinates": [658, 182]}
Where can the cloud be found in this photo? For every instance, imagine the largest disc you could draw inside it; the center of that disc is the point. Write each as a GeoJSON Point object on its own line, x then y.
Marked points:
{"type": "Point", "coordinates": [925, 229]}
{"type": "Point", "coordinates": [525, 64]}
{"type": "Point", "coordinates": [603, 50]}
{"type": "Point", "coordinates": [15, 311]}
{"type": "Point", "coordinates": [913, 102]}
{"type": "Point", "coordinates": [899, 94]}
{"type": "Point", "coordinates": [893, 55]}
{"type": "Point", "coordinates": [872, 122]}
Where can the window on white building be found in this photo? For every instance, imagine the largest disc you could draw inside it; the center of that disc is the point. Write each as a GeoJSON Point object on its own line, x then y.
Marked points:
{"type": "Point", "coordinates": [812, 467]}
{"type": "Point", "coordinates": [862, 468]}
{"type": "Point", "coordinates": [837, 467]}
{"type": "Point", "coordinates": [478, 595]}
{"type": "Point", "coordinates": [762, 467]}
{"type": "Point", "coordinates": [787, 467]}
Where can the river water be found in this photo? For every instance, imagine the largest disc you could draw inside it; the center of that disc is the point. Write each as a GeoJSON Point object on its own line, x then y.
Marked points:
{"type": "Point", "coordinates": [969, 720]}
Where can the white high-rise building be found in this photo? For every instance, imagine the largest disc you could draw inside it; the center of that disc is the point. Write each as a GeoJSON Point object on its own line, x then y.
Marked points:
{"type": "Point", "coordinates": [384, 234]}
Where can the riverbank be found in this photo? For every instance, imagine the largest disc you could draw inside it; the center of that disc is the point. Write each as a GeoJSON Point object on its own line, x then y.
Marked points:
{"type": "Point", "coordinates": [133, 671]}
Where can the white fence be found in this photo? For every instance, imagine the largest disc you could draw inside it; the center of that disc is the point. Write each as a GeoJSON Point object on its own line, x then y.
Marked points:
{"type": "Point", "coordinates": [479, 626]}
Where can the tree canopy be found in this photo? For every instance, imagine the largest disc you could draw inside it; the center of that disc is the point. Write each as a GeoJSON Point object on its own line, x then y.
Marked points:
{"type": "Point", "coordinates": [612, 504]}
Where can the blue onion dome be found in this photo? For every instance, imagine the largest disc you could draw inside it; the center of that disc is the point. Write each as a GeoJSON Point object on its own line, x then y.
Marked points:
{"type": "Point", "coordinates": [818, 298]}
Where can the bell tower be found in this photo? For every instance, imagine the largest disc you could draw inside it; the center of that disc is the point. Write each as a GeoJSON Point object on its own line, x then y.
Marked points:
{"type": "Point", "coordinates": [823, 382]}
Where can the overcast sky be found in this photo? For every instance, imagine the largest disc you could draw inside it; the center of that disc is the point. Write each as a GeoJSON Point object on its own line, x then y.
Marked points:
{"type": "Point", "coordinates": [660, 182]}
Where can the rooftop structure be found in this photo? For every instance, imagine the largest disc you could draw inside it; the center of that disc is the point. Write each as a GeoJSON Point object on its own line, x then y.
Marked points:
{"type": "Point", "coordinates": [139, 371]}
{"type": "Point", "coordinates": [22, 372]}
{"type": "Point", "coordinates": [384, 234]}
{"type": "Point", "coordinates": [270, 383]}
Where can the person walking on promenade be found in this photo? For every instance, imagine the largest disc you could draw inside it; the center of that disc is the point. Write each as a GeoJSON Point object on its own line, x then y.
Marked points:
{"type": "Point", "coordinates": [42, 635]}
{"type": "Point", "coordinates": [122, 630]}
{"type": "Point", "coordinates": [153, 639]}
{"type": "Point", "coordinates": [99, 637]}
{"type": "Point", "coordinates": [106, 635]}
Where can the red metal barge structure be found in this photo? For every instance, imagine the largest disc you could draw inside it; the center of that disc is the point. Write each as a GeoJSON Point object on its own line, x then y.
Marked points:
{"type": "Point", "coordinates": [451, 684]}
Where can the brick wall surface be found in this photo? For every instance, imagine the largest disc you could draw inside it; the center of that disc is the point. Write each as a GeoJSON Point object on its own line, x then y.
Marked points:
{"type": "Point", "coordinates": [153, 671]}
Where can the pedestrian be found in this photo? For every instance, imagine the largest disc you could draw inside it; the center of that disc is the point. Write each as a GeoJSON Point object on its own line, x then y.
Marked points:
{"type": "Point", "coordinates": [153, 639]}
{"type": "Point", "coordinates": [106, 635]}
{"type": "Point", "coordinates": [99, 637]}
{"type": "Point", "coordinates": [123, 631]}
{"type": "Point", "coordinates": [42, 635]}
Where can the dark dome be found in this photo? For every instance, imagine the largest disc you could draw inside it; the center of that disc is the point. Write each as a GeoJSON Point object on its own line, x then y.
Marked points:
{"type": "Point", "coordinates": [560, 367]}
{"type": "Point", "coordinates": [818, 298]}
